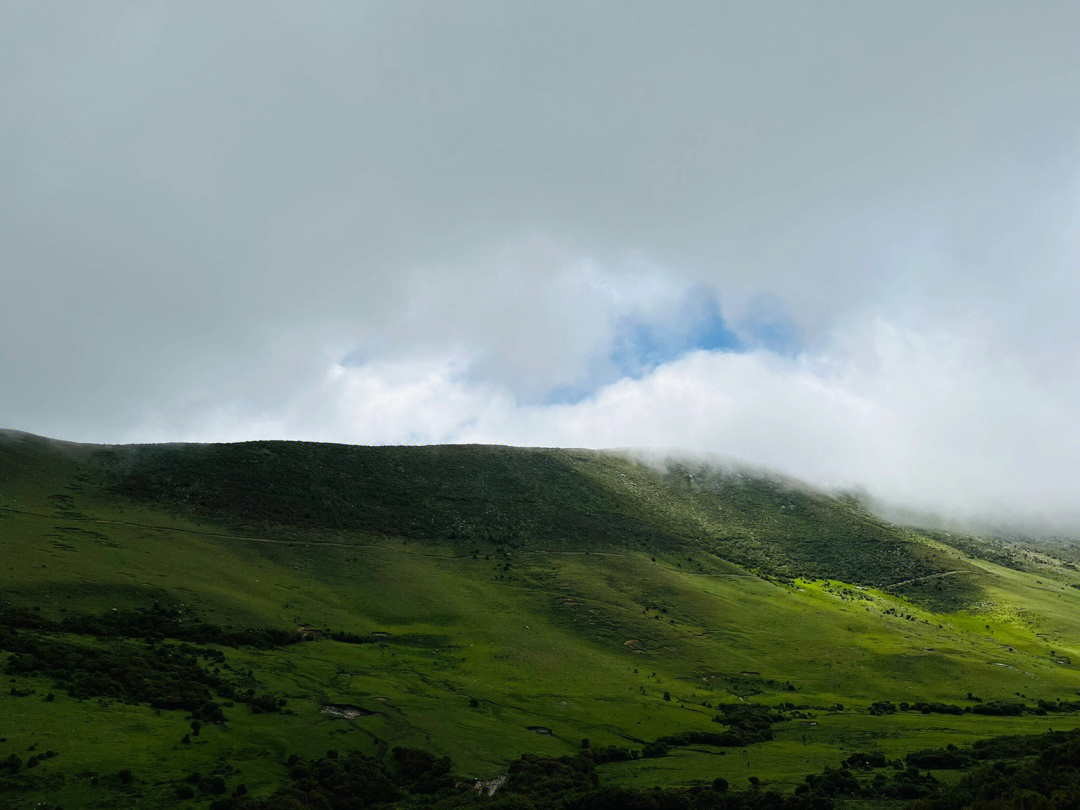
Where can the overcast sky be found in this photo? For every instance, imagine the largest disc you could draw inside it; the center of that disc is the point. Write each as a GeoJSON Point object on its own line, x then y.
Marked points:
{"type": "Point", "coordinates": [837, 239]}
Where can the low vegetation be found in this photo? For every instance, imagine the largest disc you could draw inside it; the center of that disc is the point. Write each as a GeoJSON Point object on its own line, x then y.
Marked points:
{"type": "Point", "coordinates": [521, 498]}
{"type": "Point", "coordinates": [199, 626]}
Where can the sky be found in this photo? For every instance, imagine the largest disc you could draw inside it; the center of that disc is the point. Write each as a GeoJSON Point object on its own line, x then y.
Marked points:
{"type": "Point", "coordinates": [839, 240]}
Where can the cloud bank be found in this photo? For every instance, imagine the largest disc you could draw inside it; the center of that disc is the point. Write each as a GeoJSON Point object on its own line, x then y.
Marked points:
{"type": "Point", "coordinates": [839, 241]}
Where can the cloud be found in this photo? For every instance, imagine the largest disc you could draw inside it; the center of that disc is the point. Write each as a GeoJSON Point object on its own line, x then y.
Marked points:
{"type": "Point", "coordinates": [932, 415]}
{"type": "Point", "coordinates": [924, 419]}
{"type": "Point", "coordinates": [840, 241]}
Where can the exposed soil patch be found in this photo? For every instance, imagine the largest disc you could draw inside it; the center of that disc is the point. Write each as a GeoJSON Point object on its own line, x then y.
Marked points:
{"type": "Point", "coordinates": [346, 711]}
{"type": "Point", "coordinates": [540, 730]}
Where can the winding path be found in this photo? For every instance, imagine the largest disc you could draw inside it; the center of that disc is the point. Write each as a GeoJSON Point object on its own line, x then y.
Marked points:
{"type": "Point", "coordinates": [929, 576]}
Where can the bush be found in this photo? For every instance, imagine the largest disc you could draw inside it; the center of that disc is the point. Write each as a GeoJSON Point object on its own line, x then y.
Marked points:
{"type": "Point", "coordinates": [882, 707]}
{"type": "Point", "coordinates": [421, 771]}
{"type": "Point", "coordinates": [610, 754]}
{"type": "Point", "coordinates": [867, 761]}
{"type": "Point", "coordinates": [654, 749]}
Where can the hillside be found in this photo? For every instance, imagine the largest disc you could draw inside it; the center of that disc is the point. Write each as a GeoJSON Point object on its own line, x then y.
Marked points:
{"type": "Point", "coordinates": [482, 603]}
{"type": "Point", "coordinates": [525, 499]}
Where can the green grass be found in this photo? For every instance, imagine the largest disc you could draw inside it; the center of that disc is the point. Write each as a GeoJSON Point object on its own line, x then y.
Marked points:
{"type": "Point", "coordinates": [578, 626]}
{"type": "Point", "coordinates": [484, 497]}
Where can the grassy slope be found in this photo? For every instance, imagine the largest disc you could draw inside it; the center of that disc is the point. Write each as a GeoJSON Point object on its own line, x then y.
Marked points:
{"type": "Point", "coordinates": [546, 635]}
{"type": "Point", "coordinates": [547, 499]}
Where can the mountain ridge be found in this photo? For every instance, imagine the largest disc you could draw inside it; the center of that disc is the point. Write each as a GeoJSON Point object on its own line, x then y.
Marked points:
{"type": "Point", "coordinates": [497, 496]}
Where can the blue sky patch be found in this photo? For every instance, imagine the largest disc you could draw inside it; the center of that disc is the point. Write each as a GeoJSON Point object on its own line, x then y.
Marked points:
{"type": "Point", "coordinates": [643, 345]}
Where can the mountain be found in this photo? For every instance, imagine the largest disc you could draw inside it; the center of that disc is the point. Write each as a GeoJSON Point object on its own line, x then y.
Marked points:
{"type": "Point", "coordinates": [504, 498]}
{"type": "Point", "coordinates": [487, 602]}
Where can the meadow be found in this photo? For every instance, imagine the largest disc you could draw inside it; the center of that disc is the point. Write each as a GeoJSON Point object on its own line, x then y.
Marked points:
{"type": "Point", "coordinates": [454, 607]}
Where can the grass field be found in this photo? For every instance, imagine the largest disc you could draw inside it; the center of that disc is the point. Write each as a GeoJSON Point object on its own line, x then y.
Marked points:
{"type": "Point", "coordinates": [495, 648]}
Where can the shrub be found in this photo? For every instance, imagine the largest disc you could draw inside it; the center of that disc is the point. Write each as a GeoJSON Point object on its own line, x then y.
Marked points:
{"type": "Point", "coordinates": [654, 749]}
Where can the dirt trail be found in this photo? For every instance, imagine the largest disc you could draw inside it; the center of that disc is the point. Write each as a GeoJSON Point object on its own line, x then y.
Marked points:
{"type": "Point", "coordinates": [929, 576]}
{"type": "Point", "coordinates": [223, 536]}
{"type": "Point", "coordinates": [330, 543]}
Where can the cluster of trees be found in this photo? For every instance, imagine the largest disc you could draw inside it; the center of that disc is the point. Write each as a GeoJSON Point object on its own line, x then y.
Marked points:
{"type": "Point", "coordinates": [163, 675]}
{"type": "Point", "coordinates": [410, 778]}
{"type": "Point", "coordinates": [1017, 773]}
{"type": "Point", "coordinates": [353, 638]}
{"type": "Point", "coordinates": [160, 622]}
{"type": "Point", "coordinates": [211, 784]}
{"type": "Point", "coordinates": [996, 708]}
{"type": "Point", "coordinates": [156, 623]}
{"type": "Point", "coordinates": [127, 657]}
{"type": "Point", "coordinates": [1007, 773]}
{"type": "Point", "coordinates": [901, 783]}
{"type": "Point", "coordinates": [1037, 772]}
{"type": "Point", "coordinates": [747, 723]}
{"type": "Point", "coordinates": [354, 780]}
{"type": "Point", "coordinates": [880, 708]}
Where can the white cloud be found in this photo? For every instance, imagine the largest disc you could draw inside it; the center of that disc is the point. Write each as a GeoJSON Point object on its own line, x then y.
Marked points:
{"type": "Point", "coordinates": [923, 419]}
{"type": "Point", "coordinates": [220, 224]}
